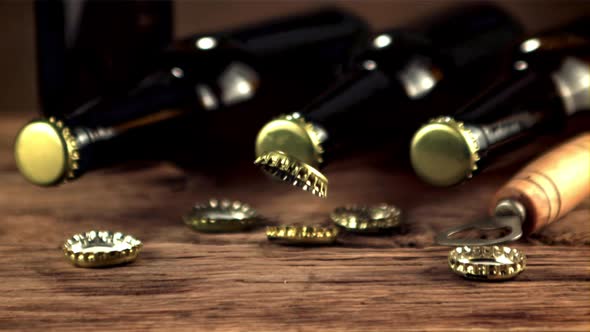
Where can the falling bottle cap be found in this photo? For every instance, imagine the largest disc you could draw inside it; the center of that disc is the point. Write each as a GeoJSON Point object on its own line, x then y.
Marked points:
{"type": "Point", "coordinates": [444, 152]}
{"type": "Point", "coordinates": [46, 152]}
{"type": "Point", "coordinates": [291, 170]}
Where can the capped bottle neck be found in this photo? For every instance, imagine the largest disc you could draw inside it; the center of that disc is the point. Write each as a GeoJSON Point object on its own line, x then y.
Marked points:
{"type": "Point", "coordinates": [444, 152]}
{"type": "Point", "coordinates": [46, 152]}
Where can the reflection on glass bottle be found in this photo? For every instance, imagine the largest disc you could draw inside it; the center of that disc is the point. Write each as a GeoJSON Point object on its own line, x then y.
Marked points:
{"type": "Point", "coordinates": [388, 91]}
{"type": "Point", "coordinates": [197, 75]}
{"type": "Point", "coordinates": [549, 82]}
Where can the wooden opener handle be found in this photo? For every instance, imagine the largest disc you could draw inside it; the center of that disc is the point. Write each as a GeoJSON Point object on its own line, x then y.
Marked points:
{"type": "Point", "coordinates": [551, 185]}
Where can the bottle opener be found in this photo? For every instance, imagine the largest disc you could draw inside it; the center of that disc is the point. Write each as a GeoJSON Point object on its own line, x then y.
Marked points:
{"type": "Point", "coordinates": [541, 193]}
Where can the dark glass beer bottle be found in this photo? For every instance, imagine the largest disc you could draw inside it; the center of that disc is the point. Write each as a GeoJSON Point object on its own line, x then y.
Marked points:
{"type": "Point", "coordinates": [549, 82]}
{"type": "Point", "coordinates": [386, 93]}
{"type": "Point", "coordinates": [206, 73]}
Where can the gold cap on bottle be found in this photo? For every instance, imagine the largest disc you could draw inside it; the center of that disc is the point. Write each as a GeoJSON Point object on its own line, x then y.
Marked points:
{"type": "Point", "coordinates": [292, 135]}
{"type": "Point", "coordinates": [293, 171]}
{"type": "Point", "coordinates": [46, 152]}
{"type": "Point", "coordinates": [444, 152]}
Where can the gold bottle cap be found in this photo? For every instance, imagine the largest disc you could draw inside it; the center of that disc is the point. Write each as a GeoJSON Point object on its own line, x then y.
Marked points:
{"type": "Point", "coordinates": [444, 152]}
{"type": "Point", "coordinates": [293, 171]}
{"type": "Point", "coordinates": [367, 218]}
{"type": "Point", "coordinates": [487, 262]}
{"type": "Point", "coordinates": [46, 153]}
{"type": "Point", "coordinates": [292, 135]}
{"type": "Point", "coordinates": [302, 235]}
{"type": "Point", "coordinates": [222, 216]}
{"type": "Point", "coordinates": [101, 248]}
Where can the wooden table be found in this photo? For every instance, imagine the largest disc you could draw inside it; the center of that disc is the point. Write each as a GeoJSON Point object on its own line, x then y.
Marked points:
{"type": "Point", "coordinates": [189, 281]}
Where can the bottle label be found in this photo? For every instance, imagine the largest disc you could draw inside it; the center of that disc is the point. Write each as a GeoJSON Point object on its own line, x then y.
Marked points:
{"type": "Point", "coordinates": [505, 129]}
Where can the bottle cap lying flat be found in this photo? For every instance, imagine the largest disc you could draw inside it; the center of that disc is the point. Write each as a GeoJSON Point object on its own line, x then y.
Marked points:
{"type": "Point", "coordinates": [367, 218]}
{"type": "Point", "coordinates": [487, 262]}
{"type": "Point", "coordinates": [302, 235]}
{"type": "Point", "coordinates": [222, 216]}
{"type": "Point", "coordinates": [292, 135]}
{"type": "Point", "coordinates": [293, 171]}
{"type": "Point", "coordinates": [46, 153]}
{"type": "Point", "coordinates": [444, 152]}
{"type": "Point", "coordinates": [101, 248]}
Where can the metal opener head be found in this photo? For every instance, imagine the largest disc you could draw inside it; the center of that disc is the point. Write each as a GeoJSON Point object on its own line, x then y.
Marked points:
{"type": "Point", "coordinates": [509, 214]}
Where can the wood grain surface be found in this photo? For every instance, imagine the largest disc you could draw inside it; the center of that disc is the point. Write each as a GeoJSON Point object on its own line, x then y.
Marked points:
{"type": "Point", "coordinates": [189, 281]}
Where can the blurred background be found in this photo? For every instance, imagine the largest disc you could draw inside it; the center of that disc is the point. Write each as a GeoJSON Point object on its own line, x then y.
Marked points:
{"type": "Point", "coordinates": [18, 63]}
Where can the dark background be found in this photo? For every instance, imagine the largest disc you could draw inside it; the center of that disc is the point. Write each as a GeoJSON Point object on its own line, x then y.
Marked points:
{"type": "Point", "coordinates": [17, 46]}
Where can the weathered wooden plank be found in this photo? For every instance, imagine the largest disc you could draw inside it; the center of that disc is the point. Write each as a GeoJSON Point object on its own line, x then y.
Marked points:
{"type": "Point", "coordinates": [185, 280]}
{"type": "Point", "coordinates": [259, 286]}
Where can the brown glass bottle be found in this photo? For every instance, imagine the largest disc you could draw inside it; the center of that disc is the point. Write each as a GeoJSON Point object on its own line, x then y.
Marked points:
{"type": "Point", "coordinates": [438, 61]}
{"type": "Point", "coordinates": [549, 82]}
{"type": "Point", "coordinates": [204, 74]}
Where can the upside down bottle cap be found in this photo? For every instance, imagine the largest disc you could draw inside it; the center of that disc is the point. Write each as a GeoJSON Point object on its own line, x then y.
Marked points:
{"type": "Point", "coordinates": [291, 170]}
